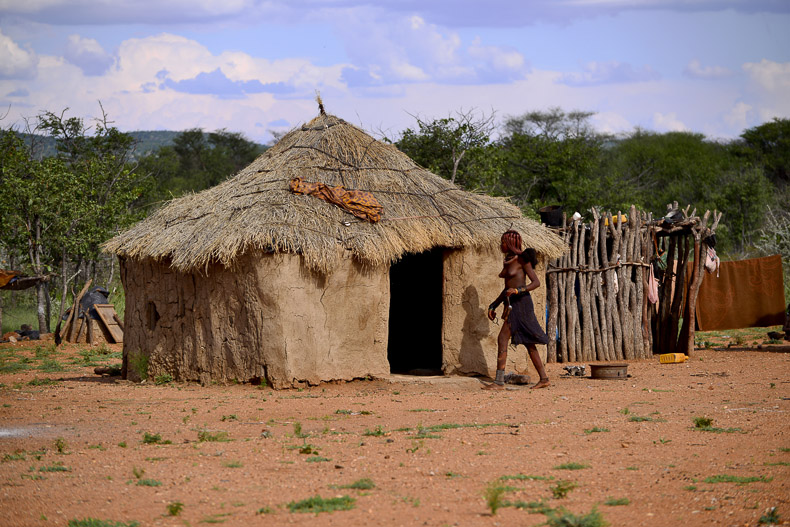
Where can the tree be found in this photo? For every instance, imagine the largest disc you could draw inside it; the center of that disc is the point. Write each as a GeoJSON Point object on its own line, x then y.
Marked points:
{"type": "Point", "coordinates": [654, 169]}
{"type": "Point", "coordinates": [34, 220]}
{"type": "Point", "coordinates": [62, 208]}
{"type": "Point", "coordinates": [553, 157]}
{"type": "Point", "coordinates": [197, 161]}
{"type": "Point", "coordinates": [774, 238]}
{"type": "Point", "coordinates": [452, 147]}
{"type": "Point", "coordinates": [769, 145]}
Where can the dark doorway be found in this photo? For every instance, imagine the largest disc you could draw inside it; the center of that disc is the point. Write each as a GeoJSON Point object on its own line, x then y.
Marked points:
{"type": "Point", "coordinates": [415, 323]}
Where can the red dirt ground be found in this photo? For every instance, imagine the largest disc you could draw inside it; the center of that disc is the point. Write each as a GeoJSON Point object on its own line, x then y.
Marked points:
{"type": "Point", "coordinates": [635, 439]}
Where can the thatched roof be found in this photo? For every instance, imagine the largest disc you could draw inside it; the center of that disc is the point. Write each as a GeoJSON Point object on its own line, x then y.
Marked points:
{"type": "Point", "coordinates": [255, 210]}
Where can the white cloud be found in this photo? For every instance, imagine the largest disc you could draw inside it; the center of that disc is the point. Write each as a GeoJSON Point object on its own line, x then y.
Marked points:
{"type": "Point", "coordinates": [668, 122]}
{"type": "Point", "coordinates": [611, 123]}
{"type": "Point", "coordinates": [769, 86]}
{"type": "Point", "coordinates": [738, 117]}
{"type": "Point", "coordinates": [508, 63]}
{"type": "Point", "coordinates": [695, 70]}
{"type": "Point", "coordinates": [16, 63]}
{"type": "Point", "coordinates": [88, 54]}
{"type": "Point", "coordinates": [612, 72]}
{"type": "Point", "coordinates": [171, 82]}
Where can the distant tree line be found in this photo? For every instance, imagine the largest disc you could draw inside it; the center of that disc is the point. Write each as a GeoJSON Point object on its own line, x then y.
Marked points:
{"type": "Point", "coordinates": [556, 157]}
{"type": "Point", "coordinates": [57, 209]}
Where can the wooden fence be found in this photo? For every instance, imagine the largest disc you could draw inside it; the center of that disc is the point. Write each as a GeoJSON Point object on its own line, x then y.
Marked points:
{"type": "Point", "coordinates": [597, 291]}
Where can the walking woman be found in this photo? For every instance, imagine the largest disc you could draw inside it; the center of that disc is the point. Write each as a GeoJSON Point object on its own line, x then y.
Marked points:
{"type": "Point", "coordinates": [519, 324]}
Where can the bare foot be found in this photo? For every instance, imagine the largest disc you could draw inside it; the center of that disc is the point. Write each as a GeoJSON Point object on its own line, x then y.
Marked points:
{"type": "Point", "coordinates": [543, 383]}
{"type": "Point", "coordinates": [493, 386]}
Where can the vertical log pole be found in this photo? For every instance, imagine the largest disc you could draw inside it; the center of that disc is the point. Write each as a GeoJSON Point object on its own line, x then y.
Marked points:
{"type": "Point", "coordinates": [578, 289]}
{"type": "Point", "coordinates": [612, 300]}
{"type": "Point", "coordinates": [588, 337]}
{"type": "Point", "coordinates": [594, 285]}
{"type": "Point", "coordinates": [551, 325]}
{"type": "Point", "coordinates": [561, 312]}
{"type": "Point", "coordinates": [606, 318]}
{"type": "Point", "coordinates": [668, 284]}
{"type": "Point", "coordinates": [570, 309]}
{"type": "Point", "coordinates": [699, 273]}
{"type": "Point", "coordinates": [676, 311]}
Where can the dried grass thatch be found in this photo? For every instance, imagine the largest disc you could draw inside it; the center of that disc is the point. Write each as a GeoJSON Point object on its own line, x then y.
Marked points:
{"type": "Point", "coordinates": [255, 210]}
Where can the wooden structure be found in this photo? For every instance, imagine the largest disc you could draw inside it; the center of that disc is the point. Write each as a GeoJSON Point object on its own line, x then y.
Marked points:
{"type": "Point", "coordinates": [108, 328]}
{"type": "Point", "coordinates": [597, 292]}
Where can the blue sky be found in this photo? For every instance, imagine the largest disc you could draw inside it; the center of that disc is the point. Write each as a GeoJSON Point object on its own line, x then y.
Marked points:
{"type": "Point", "coordinates": [709, 66]}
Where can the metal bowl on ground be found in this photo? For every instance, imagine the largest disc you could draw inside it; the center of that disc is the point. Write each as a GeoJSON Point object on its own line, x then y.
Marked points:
{"type": "Point", "coordinates": [609, 371]}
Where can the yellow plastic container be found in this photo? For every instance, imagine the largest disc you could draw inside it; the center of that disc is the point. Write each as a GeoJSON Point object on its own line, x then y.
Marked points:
{"type": "Point", "coordinates": [623, 219]}
{"type": "Point", "coordinates": [672, 358]}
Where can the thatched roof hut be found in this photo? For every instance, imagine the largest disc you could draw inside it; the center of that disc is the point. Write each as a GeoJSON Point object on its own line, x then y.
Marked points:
{"type": "Point", "coordinates": [204, 256]}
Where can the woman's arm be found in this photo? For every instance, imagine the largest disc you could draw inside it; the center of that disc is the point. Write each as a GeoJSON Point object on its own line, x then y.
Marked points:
{"type": "Point", "coordinates": [534, 281]}
{"type": "Point", "coordinates": [498, 300]}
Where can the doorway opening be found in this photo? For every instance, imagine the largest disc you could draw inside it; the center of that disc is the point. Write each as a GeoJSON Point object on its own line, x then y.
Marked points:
{"type": "Point", "coordinates": [415, 321]}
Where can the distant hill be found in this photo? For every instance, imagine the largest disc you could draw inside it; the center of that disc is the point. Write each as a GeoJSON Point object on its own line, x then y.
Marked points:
{"type": "Point", "coordinates": [148, 141]}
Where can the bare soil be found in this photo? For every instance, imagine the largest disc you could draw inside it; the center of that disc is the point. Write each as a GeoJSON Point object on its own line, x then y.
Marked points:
{"type": "Point", "coordinates": [73, 445]}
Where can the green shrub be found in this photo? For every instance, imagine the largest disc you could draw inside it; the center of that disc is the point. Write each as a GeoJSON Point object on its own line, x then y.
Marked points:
{"type": "Point", "coordinates": [703, 422]}
{"type": "Point", "coordinates": [494, 495]}
{"type": "Point", "coordinates": [562, 488]}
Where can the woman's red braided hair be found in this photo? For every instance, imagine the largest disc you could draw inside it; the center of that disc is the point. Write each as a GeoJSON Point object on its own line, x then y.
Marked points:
{"type": "Point", "coordinates": [513, 242]}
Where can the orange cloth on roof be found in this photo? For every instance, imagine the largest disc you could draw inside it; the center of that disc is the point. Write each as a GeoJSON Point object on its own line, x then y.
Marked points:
{"type": "Point", "coordinates": [359, 203]}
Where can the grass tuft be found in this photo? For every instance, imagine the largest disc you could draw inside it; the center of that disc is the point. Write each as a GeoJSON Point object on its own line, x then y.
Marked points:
{"type": "Point", "coordinates": [595, 429]}
{"type": "Point", "coordinates": [741, 480]}
{"type": "Point", "coordinates": [562, 488]}
{"type": "Point", "coordinates": [155, 439]}
{"type": "Point", "coordinates": [360, 484]}
{"type": "Point", "coordinates": [614, 502]}
{"type": "Point", "coordinates": [564, 518]}
{"type": "Point", "coordinates": [376, 432]}
{"type": "Point", "coordinates": [317, 504]}
{"type": "Point", "coordinates": [204, 436]}
{"type": "Point", "coordinates": [571, 466]}
{"type": "Point", "coordinates": [524, 477]}
{"type": "Point", "coordinates": [55, 467]}
{"type": "Point", "coordinates": [771, 517]}
{"type": "Point", "coordinates": [93, 522]}
{"type": "Point", "coordinates": [494, 496]}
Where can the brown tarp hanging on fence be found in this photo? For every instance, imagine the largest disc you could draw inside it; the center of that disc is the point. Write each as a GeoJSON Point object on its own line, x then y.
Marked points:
{"type": "Point", "coordinates": [747, 293]}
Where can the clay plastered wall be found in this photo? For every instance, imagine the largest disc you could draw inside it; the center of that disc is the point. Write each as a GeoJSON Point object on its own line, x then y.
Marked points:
{"type": "Point", "coordinates": [268, 318]}
{"type": "Point", "coordinates": [468, 337]}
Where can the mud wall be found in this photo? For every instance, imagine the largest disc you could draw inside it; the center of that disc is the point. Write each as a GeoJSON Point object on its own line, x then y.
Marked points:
{"type": "Point", "coordinates": [469, 339]}
{"type": "Point", "coordinates": [267, 318]}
